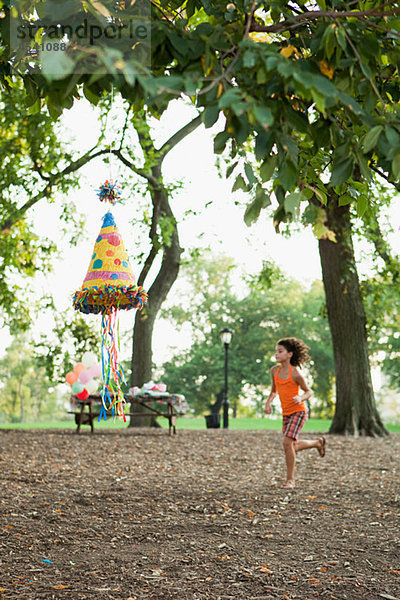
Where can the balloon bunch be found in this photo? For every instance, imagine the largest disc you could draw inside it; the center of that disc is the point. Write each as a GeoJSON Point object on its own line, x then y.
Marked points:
{"type": "Point", "coordinates": [83, 377]}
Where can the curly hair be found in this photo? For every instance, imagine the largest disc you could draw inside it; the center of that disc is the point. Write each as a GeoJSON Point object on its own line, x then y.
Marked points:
{"type": "Point", "coordinates": [299, 349]}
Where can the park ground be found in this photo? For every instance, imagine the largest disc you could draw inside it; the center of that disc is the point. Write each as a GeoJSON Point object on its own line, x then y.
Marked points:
{"type": "Point", "coordinates": [137, 514]}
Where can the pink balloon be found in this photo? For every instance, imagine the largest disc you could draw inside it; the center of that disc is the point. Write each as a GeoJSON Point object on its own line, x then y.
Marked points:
{"type": "Point", "coordinates": [70, 378]}
{"type": "Point", "coordinates": [95, 370]}
{"type": "Point", "coordinates": [78, 368]}
{"type": "Point", "coordinates": [84, 376]}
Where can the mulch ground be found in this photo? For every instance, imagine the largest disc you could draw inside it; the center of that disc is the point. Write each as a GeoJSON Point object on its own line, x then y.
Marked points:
{"type": "Point", "coordinates": [138, 514]}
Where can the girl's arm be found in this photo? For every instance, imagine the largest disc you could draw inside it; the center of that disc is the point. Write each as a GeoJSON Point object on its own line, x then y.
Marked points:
{"type": "Point", "coordinates": [298, 378]}
{"type": "Point", "coordinates": [267, 407]}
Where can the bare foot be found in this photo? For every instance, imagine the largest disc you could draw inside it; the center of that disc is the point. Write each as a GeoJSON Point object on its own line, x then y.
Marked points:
{"type": "Point", "coordinates": [289, 484]}
{"type": "Point", "coordinates": [321, 447]}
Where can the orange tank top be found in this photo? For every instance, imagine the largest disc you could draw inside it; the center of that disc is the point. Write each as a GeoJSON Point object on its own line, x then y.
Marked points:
{"type": "Point", "coordinates": [287, 389]}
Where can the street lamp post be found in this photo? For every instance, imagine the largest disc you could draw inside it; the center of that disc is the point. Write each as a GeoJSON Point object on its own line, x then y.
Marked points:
{"type": "Point", "coordinates": [226, 336]}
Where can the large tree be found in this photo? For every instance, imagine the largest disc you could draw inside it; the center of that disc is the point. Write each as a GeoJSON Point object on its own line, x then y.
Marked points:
{"type": "Point", "coordinates": [306, 80]}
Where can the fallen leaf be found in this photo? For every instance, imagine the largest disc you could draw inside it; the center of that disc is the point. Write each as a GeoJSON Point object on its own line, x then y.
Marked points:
{"type": "Point", "coordinates": [264, 569]}
{"type": "Point", "coordinates": [60, 587]}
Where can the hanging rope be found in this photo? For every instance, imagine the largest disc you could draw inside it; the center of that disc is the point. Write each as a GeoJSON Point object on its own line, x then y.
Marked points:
{"type": "Point", "coordinates": [112, 137]}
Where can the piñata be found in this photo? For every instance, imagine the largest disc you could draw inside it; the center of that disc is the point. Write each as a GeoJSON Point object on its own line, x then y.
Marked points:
{"type": "Point", "coordinates": [109, 286]}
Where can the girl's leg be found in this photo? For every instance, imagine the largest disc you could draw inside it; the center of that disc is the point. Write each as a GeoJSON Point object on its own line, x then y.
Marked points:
{"type": "Point", "coordinates": [306, 444]}
{"type": "Point", "coordinates": [289, 446]}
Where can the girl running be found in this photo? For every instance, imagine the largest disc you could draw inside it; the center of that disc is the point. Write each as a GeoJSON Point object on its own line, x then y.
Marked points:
{"type": "Point", "coordinates": [290, 353]}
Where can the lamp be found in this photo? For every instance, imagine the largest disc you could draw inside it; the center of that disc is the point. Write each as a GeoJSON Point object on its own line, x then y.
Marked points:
{"type": "Point", "coordinates": [226, 336]}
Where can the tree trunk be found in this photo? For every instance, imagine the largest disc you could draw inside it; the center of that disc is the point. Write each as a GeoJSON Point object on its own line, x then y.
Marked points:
{"type": "Point", "coordinates": [142, 353]}
{"type": "Point", "coordinates": [356, 412]}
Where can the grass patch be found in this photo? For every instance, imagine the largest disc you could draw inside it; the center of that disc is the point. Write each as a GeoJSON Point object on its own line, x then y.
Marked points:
{"type": "Point", "coordinates": [195, 423]}
{"type": "Point", "coordinates": [250, 424]}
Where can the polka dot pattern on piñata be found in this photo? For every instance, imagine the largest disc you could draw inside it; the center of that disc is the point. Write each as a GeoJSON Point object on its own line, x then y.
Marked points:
{"type": "Point", "coordinates": [109, 279]}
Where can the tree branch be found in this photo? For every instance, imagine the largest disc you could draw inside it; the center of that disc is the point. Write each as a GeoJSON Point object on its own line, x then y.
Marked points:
{"type": "Point", "coordinates": [357, 55]}
{"type": "Point", "coordinates": [19, 213]}
{"type": "Point", "coordinates": [177, 137]}
{"type": "Point", "coordinates": [125, 127]}
{"type": "Point", "coordinates": [375, 26]}
{"type": "Point", "coordinates": [325, 14]}
{"type": "Point", "coordinates": [381, 247]}
{"type": "Point", "coordinates": [131, 166]}
{"type": "Point", "coordinates": [47, 190]}
{"type": "Point", "coordinates": [386, 177]}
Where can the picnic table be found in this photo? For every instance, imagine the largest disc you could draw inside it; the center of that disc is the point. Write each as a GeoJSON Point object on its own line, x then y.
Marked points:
{"type": "Point", "coordinates": [168, 406]}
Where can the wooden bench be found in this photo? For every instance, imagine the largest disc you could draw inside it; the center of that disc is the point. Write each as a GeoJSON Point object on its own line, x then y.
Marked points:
{"type": "Point", "coordinates": [87, 417]}
{"type": "Point", "coordinates": [83, 417]}
{"type": "Point", "coordinates": [145, 400]}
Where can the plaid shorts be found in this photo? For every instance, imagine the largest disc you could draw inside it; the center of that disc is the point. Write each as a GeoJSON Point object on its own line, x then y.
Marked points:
{"type": "Point", "coordinates": [293, 424]}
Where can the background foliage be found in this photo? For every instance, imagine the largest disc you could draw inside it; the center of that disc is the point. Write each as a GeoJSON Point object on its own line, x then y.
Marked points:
{"type": "Point", "coordinates": [260, 311]}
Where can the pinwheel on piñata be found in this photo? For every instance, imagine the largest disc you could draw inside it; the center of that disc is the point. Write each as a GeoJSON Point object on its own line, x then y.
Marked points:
{"type": "Point", "coordinates": [109, 286]}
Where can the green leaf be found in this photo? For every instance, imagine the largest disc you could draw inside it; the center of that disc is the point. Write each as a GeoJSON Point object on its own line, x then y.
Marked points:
{"type": "Point", "coordinates": [263, 115]}
{"type": "Point", "coordinates": [90, 95]}
{"type": "Point", "coordinates": [190, 8]}
{"type": "Point", "coordinates": [341, 37]}
{"type": "Point", "coordinates": [32, 91]}
{"type": "Point", "coordinates": [366, 70]}
{"type": "Point", "coordinates": [350, 103]}
{"type": "Point", "coordinates": [363, 164]}
{"type": "Point", "coordinates": [264, 143]}
{"type": "Point", "coordinates": [239, 184]}
{"type": "Point", "coordinates": [253, 210]}
{"type": "Point", "coordinates": [220, 141]}
{"type": "Point", "coordinates": [287, 174]}
{"type": "Point", "coordinates": [304, 77]}
{"type": "Point", "coordinates": [248, 169]}
{"type": "Point", "coordinates": [271, 62]}
{"type": "Point", "coordinates": [180, 44]}
{"type": "Point", "coordinates": [229, 97]}
{"type": "Point", "coordinates": [392, 136]}
{"type": "Point", "coordinates": [325, 87]}
{"type": "Point", "coordinates": [396, 166]}
{"type": "Point", "coordinates": [371, 139]}
{"type": "Point", "coordinates": [319, 100]}
{"type": "Point", "coordinates": [230, 169]}
{"type": "Point", "coordinates": [285, 67]}
{"type": "Point", "coordinates": [362, 205]}
{"type": "Point", "coordinates": [329, 40]}
{"type": "Point", "coordinates": [319, 230]}
{"type": "Point", "coordinates": [275, 14]}
{"type": "Point", "coordinates": [261, 76]}
{"type": "Point", "coordinates": [169, 82]}
{"type": "Point", "coordinates": [292, 202]}
{"type": "Point", "coordinates": [35, 108]}
{"type": "Point", "coordinates": [210, 115]}
{"type": "Point", "coordinates": [344, 200]}
{"type": "Point", "coordinates": [249, 59]}
{"type": "Point", "coordinates": [55, 65]}
{"type": "Point", "coordinates": [268, 167]}
{"type": "Point", "coordinates": [321, 196]}
{"type": "Point", "coordinates": [342, 170]}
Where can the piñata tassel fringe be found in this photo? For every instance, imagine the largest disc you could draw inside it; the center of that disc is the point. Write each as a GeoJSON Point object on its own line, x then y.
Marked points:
{"type": "Point", "coordinates": [112, 395]}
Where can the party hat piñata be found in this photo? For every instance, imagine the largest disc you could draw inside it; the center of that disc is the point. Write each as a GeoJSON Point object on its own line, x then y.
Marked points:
{"type": "Point", "coordinates": [109, 285]}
